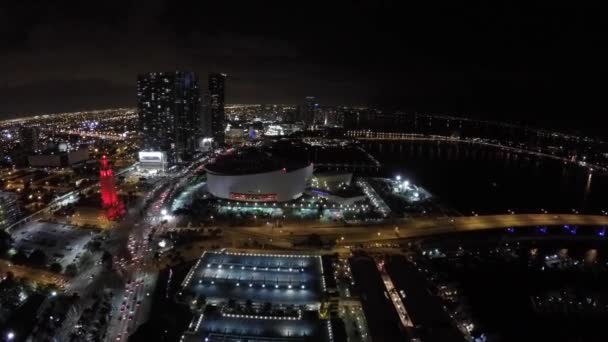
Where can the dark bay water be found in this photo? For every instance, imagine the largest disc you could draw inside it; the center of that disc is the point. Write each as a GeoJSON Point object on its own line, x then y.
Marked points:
{"type": "Point", "coordinates": [489, 180]}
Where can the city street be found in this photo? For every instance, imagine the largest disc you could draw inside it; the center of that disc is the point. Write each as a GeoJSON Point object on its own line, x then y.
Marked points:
{"type": "Point", "coordinates": [139, 278]}
{"type": "Point", "coordinates": [131, 305]}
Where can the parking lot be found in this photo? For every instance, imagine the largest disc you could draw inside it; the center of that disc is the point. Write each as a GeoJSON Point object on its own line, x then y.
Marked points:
{"type": "Point", "coordinates": [283, 279]}
{"type": "Point", "coordinates": [227, 329]}
{"type": "Point", "coordinates": [258, 296]}
{"type": "Point", "coordinates": [61, 243]}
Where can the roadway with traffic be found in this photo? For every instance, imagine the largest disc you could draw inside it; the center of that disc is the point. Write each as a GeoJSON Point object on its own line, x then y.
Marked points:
{"type": "Point", "coordinates": [132, 304]}
{"type": "Point", "coordinates": [417, 227]}
{"type": "Point", "coordinates": [135, 267]}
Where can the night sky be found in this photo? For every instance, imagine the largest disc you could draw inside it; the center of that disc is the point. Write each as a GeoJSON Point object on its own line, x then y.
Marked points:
{"type": "Point", "coordinates": [543, 64]}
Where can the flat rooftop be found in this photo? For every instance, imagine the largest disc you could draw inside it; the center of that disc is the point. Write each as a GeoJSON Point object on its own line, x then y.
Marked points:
{"type": "Point", "coordinates": [280, 279]}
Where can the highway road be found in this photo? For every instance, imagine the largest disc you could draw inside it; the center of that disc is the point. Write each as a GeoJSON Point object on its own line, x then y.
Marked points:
{"type": "Point", "coordinates": [418, 227]}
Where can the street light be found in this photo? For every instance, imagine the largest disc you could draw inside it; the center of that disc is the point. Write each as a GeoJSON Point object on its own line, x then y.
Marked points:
{"type": "Point", "coordinates": [10, 336]}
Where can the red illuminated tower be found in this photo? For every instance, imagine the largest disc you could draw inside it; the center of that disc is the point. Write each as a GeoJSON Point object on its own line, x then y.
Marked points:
{"type": "Point", "coordinates": [109, 198]}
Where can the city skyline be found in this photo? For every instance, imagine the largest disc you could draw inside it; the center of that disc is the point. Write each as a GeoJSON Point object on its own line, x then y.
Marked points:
{"type": "Point", "coordinates": [490, 63]}
{"type": "Point", "coordinates": [342, 171]}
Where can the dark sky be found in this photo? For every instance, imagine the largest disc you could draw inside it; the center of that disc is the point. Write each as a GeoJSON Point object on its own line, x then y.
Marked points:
{"type": "Point", "coordinates": [543, 63]}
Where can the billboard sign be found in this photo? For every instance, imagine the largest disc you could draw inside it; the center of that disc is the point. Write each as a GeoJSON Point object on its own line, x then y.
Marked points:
{"type": "Point", "coordinates": [151, 157]}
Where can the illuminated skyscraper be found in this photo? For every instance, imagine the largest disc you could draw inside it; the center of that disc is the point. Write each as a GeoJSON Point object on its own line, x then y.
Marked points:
{"type": "Point", "coordinates": [206, 115]}
{"type": "Point", "coordinates": [169, 108]}
{"type": "Point", "coordinates": [217, 84]}
{"type": "Point", "coordinates": [29, 138]}
{"type": "Point", "coordinates": [308, 110]}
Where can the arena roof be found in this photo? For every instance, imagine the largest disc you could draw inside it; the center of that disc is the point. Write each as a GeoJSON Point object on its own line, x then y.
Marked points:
{"type": "Point", "coordinates": [252, 161]}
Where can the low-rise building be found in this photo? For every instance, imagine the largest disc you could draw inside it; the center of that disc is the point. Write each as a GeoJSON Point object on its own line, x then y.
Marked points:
{"type": "Point", "coordinates": [59, 158]}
